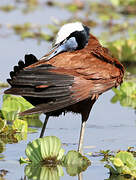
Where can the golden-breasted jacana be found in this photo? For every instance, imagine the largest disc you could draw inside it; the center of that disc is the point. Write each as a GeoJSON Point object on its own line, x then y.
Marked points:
{"type": "Point", "coordinates": [68, 79]}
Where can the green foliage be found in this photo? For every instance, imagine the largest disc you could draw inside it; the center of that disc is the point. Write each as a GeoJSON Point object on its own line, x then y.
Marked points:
{"type": "Point", "coordinates": [75, 163]}
{"type": "Point", "coordinates": [126, 94]}
{"type": "Point", "coordinates": [7, 135]}
{"type": "Point", "coordinates": [45, 150]}
{"type": "Point", "coordinates": [123, 3]}
{"type": "Point", "coordinates": [28, 30]}
{"type": "Point", "coordinates": [21, 128]}
{"type": "Point", "coordinates": [12, 105]}
{"type": "Point", "coordinates": [2, 125]}
{"type": "Point", "coordinates": [119, 177]}
{"type": "Point", "coordinates": [2, 146]}
{"type": "Point", "coordinates": [106, 154]}
{"type": "Point", "coordinates": [124, 49]}
{"type": "Point", "coordinates": [20, 125]}
{"type": "Point", "coordinates": [18, 129]}
{"type": "Point", "coordinates": [123, 163]}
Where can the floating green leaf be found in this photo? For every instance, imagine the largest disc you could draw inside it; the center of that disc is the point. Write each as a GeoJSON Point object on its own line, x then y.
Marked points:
{"type": "Point", "coordinates": [75, 163]}
{"type": "Point", "coordinates": [21, 128]}
{"type": "Point", "coordinates": [2, 125]}
{"type": "Point", "coordinates": [20, 125]}
{"type": "Point", "coordinates": [18, 130]}
{"type": "Point", "coordinates": [123, 163]}
{"type": "Point", "coordinates": [123, 3]}
{"type": "Point", "coordinates": [12, 105]}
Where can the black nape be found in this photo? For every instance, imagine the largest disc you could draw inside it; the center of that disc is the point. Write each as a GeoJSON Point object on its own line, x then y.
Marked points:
{"type": "Point", "coordinates": [82, 37]}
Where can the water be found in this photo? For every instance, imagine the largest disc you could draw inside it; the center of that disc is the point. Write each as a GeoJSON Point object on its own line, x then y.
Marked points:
{"type": "Point", "coordinates": [110, 126]}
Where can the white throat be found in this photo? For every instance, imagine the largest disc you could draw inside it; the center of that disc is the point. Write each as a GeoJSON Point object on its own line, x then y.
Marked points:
{"type": "Point", "coordinates": [67, 29]}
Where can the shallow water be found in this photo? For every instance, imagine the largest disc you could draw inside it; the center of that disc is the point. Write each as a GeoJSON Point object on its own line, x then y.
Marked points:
{"type": "Point", "coordinates": [110, 126]}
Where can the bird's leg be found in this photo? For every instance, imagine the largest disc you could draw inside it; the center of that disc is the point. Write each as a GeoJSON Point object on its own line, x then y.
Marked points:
{"type": "Point", "coordinates": [85, 115]}
{"type": "Point", "coordinates": [44, 126]}
{"type": "Point", "coordinates": [80, 176]}
{"type": "Point", "coordinates": [82, 131]}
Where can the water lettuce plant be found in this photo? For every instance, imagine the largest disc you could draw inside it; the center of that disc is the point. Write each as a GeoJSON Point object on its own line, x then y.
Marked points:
{"type": "Point", "coordinates": [11, 107]}
{"type": "Point", "coordinates": [47, 152]}
{"type": "Point", "coordinates": [126, 94]}
{"type": "Point", "coordinates": [18, 128]}
{"type": "Point", "coordinates": [75, 163]}
{"type": "Point", "coordinates": [123, 163]}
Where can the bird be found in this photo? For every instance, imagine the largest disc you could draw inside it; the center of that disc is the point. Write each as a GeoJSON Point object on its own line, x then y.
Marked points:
{"type": "Point", "coordinates": [70, 78]}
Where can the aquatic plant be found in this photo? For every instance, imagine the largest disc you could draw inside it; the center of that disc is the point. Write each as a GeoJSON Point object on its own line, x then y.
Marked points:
{"type": "Point", "coordinates": [47, 152]}
{"type": "Point", "coordinates": [126, 94]}
{"type": "Point", "coordinates": [75, 163]}
{"type": "Point", "coordinates": [2, 146]}
{"type": "Point", "coordinates": [12, 105]}
{"type": "Point", "coordinates": [18, 128]}
{"type": "Point", "coordinates": [2, 125]}
{"type": "Point", "coordinates": [28, 30]}
{"type": "Point", "coordinates": [124, 49]}
{"type": "Point", "coordinates": [123, 163]}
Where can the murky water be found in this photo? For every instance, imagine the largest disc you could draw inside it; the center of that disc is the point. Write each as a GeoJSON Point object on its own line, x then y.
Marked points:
{"type": "Point", "coordinates": [109, 126]}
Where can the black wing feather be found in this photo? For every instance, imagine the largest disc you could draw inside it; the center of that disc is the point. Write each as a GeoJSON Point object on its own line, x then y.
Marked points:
{"type": "Point", "coordinates": [54, 96]}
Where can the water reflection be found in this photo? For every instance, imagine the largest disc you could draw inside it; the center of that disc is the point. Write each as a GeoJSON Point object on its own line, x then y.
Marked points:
{"type": "Point", "coordinates": [37, 172]}
{"type": "Point", "coordinates": [44, 172]}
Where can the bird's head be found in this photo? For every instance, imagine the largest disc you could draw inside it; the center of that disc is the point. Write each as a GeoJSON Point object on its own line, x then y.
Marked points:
{"type": "Point", "coordinates": [77, 31]}
{"type": "Point", "coordinates": [71, 37]}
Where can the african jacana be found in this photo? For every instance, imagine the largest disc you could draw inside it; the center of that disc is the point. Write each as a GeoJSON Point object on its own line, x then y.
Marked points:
{"type": "Point", "coordinates": [70, 78]}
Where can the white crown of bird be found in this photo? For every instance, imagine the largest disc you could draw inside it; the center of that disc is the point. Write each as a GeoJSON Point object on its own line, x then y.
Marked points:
{"type": "Point", "coordinates": [67, 29]}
